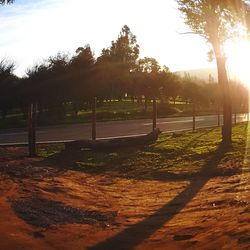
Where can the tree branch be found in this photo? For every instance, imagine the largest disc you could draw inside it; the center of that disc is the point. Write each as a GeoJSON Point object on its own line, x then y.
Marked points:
{"type": "Point", "coordinates": [190, 33]}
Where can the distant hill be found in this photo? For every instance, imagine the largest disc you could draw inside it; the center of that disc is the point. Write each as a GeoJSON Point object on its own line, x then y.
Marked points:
{"type": "Point", "coordinates": [201, 73]}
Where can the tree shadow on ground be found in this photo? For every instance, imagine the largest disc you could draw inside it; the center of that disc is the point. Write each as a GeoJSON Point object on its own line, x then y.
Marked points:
{"type": "Point", "coordinates": [137, 233]}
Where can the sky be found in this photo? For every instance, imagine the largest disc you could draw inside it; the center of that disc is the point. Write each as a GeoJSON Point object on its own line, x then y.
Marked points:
{"type": "Point", "coordinates": [31, 31]}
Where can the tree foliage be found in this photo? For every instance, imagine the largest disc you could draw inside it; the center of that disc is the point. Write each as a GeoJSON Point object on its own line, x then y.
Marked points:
{"type": "Point", "coordinates": [6, 1]}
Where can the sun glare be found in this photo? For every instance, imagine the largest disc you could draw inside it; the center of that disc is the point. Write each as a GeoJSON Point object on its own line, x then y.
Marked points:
{"type": "Point", "coordinates": [238, 54]}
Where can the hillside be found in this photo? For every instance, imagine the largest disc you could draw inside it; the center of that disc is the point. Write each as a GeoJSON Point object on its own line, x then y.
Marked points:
{"type": "Point", "coordinates": [200, 73]}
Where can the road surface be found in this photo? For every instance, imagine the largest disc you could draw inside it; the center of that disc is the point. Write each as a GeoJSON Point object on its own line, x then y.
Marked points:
{"type": "Point", "coordinates": [110, 129]}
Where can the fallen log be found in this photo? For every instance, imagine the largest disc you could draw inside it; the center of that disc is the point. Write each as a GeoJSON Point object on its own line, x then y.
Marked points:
{"type": "Point", "coordinates": [114, 143]}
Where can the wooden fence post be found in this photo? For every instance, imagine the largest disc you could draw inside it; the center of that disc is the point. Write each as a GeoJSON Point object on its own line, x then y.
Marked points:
{"type": "Point", "coordinates": [154, 113]}
{"type": "Point", "coordinates": [194, 113]}
{"type": "Point", "coordinates": [32, 129]}
{"type": "Point", "coordinates": [94, 118]}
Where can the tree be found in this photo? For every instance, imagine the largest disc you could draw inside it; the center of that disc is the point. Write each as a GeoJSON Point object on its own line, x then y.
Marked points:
{"type": "Point", "coordinates": [191, 91]}
{"type": "Point", "coordinates": [117, 62]}
{"type": "Point", "coordinates": [171, 87]}
{"type": "Point", "coordinates": [47, 85]}
{"type": "Point", "coordinates": [60, 81]}
{"type": "Point", "coordinates": [7, 86]}
{"type": "Point", "coordinates": [3, 64]}
{"type": "Point", "coordinates": [149, 70]}
{"type": "Point", "coordinates": [125, 50]}
{"type": "Point", "coordinates": [81, 77]}
{"type": "Point", "coordinates": [217, 21]}
{"type": "Point", "coordinates": [6, 1]}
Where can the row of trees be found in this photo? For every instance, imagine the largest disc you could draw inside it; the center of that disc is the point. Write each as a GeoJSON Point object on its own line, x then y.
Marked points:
{"type": "Point", "coordinates": [118, 72]}
{"type": "Point", "coordinates": [60, 83]}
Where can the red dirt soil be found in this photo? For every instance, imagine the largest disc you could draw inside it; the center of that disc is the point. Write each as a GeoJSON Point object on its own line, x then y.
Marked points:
{"type": "Point", "coordinates": [85, 211]}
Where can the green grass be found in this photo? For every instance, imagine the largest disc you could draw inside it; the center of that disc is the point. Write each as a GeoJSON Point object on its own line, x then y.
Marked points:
{"type": "Point", "coordinates": [173, 156]}
{"type": "Point", "coordinates": [46, 151]}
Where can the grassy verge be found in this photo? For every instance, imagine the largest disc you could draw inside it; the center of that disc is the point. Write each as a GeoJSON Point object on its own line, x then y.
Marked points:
{"type": "Point", "coordinates": [173, 156]}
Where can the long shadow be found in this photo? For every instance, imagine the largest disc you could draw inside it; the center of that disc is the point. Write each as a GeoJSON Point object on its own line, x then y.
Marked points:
{"type": "Point", "coordinates": [137, 233]}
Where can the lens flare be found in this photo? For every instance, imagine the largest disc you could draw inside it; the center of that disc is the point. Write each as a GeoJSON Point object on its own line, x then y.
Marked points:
{"type": "Point", "coordinates": [238, 54]}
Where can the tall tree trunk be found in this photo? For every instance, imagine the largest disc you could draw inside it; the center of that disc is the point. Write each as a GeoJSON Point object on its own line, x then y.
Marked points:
{"type": "Point", "coordinates": [226, 98]}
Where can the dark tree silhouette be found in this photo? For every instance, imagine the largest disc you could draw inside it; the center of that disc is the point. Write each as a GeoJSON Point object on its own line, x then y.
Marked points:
{"type": "Point", "coordinates": [6, 1]}
{"type": "Point", "coordinates": [8, 83]}
{"type": "Point", "coordinates": [81, 77]}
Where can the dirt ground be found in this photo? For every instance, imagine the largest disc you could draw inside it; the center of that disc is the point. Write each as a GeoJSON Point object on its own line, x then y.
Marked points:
{"type": "Point", "coordinates": [45, 207]}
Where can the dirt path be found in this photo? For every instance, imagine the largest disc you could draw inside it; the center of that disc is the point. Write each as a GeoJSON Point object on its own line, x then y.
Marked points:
{"type": "Point", "coordinates": [42, 207]}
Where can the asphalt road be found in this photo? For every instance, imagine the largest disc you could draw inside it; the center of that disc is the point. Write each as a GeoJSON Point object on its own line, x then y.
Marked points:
{"type": "Point", "coordinates": [110, 129]}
